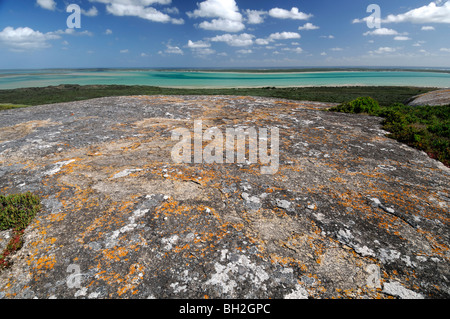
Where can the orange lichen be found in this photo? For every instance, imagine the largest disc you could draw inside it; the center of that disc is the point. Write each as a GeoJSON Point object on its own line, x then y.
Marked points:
{"type": "Point", "coordinates": [46, 262]}
{"type": "Point", "coordinates": [132, 279]}
{"type": "Point", "coordinates": [115, 254]}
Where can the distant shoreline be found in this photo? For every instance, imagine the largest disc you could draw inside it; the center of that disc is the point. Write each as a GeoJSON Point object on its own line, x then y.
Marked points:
{"type": "Point", "coordinates": [242, 70]}
{"type": "Point", "coordinates": [336, 86]}
{"type": "Point", "coordinates": [290, 71]}
{"type": "Point", "coordinates": [226, 78]}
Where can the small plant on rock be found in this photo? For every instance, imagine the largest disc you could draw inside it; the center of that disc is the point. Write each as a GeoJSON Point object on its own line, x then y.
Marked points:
{"type": "Point", "coordinates": [16, 213]}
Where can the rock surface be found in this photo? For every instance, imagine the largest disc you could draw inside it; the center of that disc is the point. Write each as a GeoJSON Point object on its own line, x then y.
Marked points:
{"type": "Point", "coordinates": [350, 213]}
{"type": "Point", "coordinates": [435, 98]}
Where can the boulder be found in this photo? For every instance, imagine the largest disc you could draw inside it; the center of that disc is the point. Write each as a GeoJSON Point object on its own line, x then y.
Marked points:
{"type": "Point", "coordinates": [348, 213]}
{"type": "Point", "coordinates": [434, 98]}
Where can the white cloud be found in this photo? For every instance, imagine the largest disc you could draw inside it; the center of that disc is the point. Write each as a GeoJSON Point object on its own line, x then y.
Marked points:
{"type": "Point", "coordinates": [73, 32]}
{"type": "Point", "coordinates": [284, 36]}
{"type": "Point", "coordinates": [381, 31]}
{"type": "Point", "coordinates": [205, 51]}
{"type": "Point", "coordinates": [323, 54]}
{"type": "Point", "coordinates": [308, 26]}
{"type": "Point", "coordinates": [362, 20]}
{"type": "Point", "coordinates": [198, 45]}
{"type": "Point", "coordinates": [108, 31]}
{"type": "Point", "coordinates": [47, 4]}
{"type": "Point", "coordinates": [383, 50]}
{"type": "Point", "coordinates": [262, 41]}
{"type": "Point", "coordinates": [255, 16]}
{"type": "Point", "coordinates": [173, 50]}
{"type": "Point", "coordinates": [327, 36]}
{"type": "Point", "coordinates": [243, 51]}
{"type": "Point", "coordinates": [135, 2]}
{"type": "Point", "coordinates": [419, 43]}
{"type": "Point", "coordinates": [144, 55]}
{"type": "Point", "coordinates": [93, 12]}
{"type": "Point", "coordinates": [225, 13]}
{"type": "Point", "coordinates": [445, 50]}
{"type": "Point", "coordinates": [337, 49]}
{"type": "Point", "coordinates": [428, 28]}
{"type": "Point", "coordinates": [234, 40]}
{"type": "Point", "coordinates": [173, 10]}
{"type": "Point", "coordinates": [295, 50]}
{"type": "Point", "coordinates": [139, 8]}
{"type": "Point", "coordinates": [431, 13]}
{"type": "Point", "coordinates": [278, 36]}
{"type": "Point", "coordinates": [25, 39]}
{"type": "Point", "coordinates": [294, 13]}
{"type": "Point", "coordinates": [225, 9]}
{"type": "Point", "coordinates": [222, 25]}
{"type": "Point", "coordinates": [124, 51]}
{"type": "Point", "coordinates": [434, 12]}
{"type": "Point", "coordinates": [401, 38]}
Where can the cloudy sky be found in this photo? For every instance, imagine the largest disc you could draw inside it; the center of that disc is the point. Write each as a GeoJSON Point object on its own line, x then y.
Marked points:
{"type": "Point", "coordinates": [223, 33]}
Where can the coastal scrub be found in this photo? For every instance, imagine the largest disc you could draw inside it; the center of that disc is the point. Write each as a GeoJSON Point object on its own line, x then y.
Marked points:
{"type": "Point", "coordinates": [426, 128]}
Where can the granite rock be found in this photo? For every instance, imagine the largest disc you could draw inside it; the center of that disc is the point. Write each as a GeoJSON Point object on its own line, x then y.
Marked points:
{"type": "Point", "coordinates": [349, 213]}
{"type": "Point", "coordinates": [435, 98]}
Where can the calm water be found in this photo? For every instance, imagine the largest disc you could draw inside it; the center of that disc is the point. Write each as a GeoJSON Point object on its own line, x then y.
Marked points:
{"type": "Point", "coordinates": [10, 79]}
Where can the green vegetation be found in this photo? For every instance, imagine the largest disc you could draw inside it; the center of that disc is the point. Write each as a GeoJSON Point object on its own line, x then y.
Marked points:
{"type": "Point", "coordinates": [360, 105]}
{"type": "Point", "coordinates": [426, 128]}
{"type": "Point", "coordinates": [11, 106]}
{"type": "Point", "coordinates": [18, 210]}
{"type": "Point", "coordinates": [69, 93]}
{"type": "Point", "coordinates": [16, 213]}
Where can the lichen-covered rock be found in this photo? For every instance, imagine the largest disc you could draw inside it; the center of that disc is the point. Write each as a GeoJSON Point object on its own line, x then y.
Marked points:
{"type": "Point", "coordinates": [437, 98]}
{"type": "Point", "coordinates": [5, 236]}
{"type": "Point", "coordinates": [349, 213]}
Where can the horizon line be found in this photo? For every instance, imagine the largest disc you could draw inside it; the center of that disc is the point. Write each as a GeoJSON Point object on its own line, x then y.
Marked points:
{"type": "Point", "coordinates": [236, 68]}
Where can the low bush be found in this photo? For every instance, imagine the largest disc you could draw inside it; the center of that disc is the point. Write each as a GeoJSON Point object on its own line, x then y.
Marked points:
{"type": "Point", "coordinates": [360, 105]}
{"type": "Point", "coordinates": [426, 128]}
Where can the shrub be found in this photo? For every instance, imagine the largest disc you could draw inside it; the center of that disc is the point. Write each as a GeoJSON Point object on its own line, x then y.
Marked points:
{"type": "Point", "coordinates": [395, 122]}
{"type": "Point", "coordinates": [426, 128]}
{"type": "Point", "coordinates": [360, 105]}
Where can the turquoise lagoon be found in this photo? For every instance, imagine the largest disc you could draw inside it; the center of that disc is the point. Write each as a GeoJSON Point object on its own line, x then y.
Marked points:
{"type": "Point", "coordinates": [10, 79]}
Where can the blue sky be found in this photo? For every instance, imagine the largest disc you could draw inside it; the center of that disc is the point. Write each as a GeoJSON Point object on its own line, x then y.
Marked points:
{"type": "Point", "coordinates": [223, 33]}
